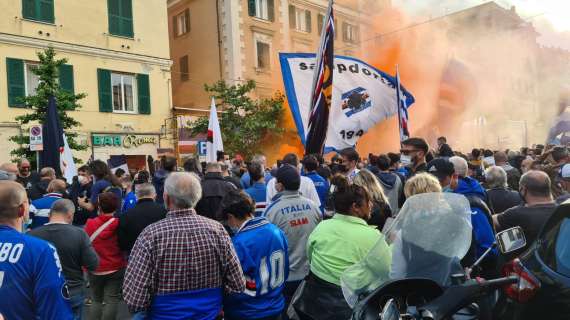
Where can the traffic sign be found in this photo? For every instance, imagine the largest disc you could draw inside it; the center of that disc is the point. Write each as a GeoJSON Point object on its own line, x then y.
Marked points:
{"type": "Point", "coordinates": [36, 138]}
{"type": "Point", "coordinates": [202, 148]}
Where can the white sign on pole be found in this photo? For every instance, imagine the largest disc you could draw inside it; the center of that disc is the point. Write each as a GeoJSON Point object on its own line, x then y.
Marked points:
{"type": "Point", "coordinates": [36, 138]}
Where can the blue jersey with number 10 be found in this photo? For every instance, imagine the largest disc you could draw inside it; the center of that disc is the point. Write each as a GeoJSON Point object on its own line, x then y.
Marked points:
{"type": "Point", "coordinates": [31, 280]}
{"type": "Point", "coordinates": [262, 251]}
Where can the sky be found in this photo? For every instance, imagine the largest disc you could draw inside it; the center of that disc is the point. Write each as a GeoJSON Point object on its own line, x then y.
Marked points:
{"type": "Point", "coordinates": [551, 18]}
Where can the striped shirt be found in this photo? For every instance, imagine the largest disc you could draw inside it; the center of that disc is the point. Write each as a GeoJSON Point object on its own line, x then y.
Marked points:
{"type": "Point", "coordinates": [258, 192]}
{"type": "Point", "coordinates": [40, 208]}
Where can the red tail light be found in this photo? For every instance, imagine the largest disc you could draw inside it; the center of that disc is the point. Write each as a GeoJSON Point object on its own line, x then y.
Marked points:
{"type": "Point", "coordinates": [527, 285]}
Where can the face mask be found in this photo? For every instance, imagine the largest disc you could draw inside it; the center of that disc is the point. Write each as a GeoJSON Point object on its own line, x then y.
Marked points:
{"type": "Point", "coordinates": [342, 168]}
{"type": "Point", "coordinates": [82, 179]}
{"type": "Point", "coordinates": [234, 229]}
{"type": "Point", "coordinates": [405, 160]}
{"type": "Point", "coordinates": [447, 189]}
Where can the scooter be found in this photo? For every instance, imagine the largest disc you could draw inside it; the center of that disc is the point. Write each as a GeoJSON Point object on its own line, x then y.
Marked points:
{"type": "Point", "coordinates": [425, 299]}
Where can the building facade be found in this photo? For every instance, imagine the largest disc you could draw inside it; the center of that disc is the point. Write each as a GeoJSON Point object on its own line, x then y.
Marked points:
{"type": "Point", "coordinates": [241, 40]}
{"type": "Point", "coordinates": [115, 56]}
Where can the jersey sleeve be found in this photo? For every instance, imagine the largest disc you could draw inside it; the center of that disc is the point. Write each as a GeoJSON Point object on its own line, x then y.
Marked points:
{"type": "Point", "coordinates": [50, 291]}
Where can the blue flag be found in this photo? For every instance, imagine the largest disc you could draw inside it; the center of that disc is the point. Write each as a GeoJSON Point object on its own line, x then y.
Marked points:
{"type": "Point", "coordinates": [53, 138]}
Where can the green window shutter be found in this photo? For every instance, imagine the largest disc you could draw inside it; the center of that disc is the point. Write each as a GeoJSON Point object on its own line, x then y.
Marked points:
{"type": "Point", "coordinates": [45, 10]}
{"type": "Point", "coordinates": [175, 26]}
{"type": "Point", "coordinates": [127, 18]}
{"type": "Point", "coordinates": [66, 82]}
{"type": "Point", "coordinates": [143, 91]}
{"type": "Point", "coordinates": [16, 82]}
{"type": "Point", "coordinates": [270, 10]}
{"type": "Point", "coordinates": [292, 18]}
{"type": "Point", "coordinates": [29, 9]}
{"type": "Point", "coordinates": [251, 8]}
{"type": "Point", "coordinates": [308, 20]}
{"type": "Point", "coordinates": [120, 17]}
{"type": "Point", "coordinates": [187, 15]}
{"type": "Point", "coordinates": [114, 13]}
{"type": "Point", "coordinates": [105, 98]}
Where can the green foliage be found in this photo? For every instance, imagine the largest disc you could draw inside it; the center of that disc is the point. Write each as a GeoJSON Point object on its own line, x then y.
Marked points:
{"type": "Point", "coordinates": [47, 71]}
{"type": "Point", "coordinates": [244, 122]}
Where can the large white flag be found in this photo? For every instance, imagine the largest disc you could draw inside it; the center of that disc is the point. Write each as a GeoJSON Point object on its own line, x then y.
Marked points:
{"type": "Point", "coordinates": [68, 168]}
{"type": "Point", "coordinates": [362, 96]}
{"type": "Point", "coordinates": [214, 143]}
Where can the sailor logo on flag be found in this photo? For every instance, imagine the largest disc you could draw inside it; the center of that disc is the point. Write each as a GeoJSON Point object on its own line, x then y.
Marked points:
{"type": "Point", "coordinates": [355, 100]}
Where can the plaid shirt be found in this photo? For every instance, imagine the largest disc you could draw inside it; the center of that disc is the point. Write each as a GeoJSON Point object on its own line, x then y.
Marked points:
{"type": "Point", "coordinates": [182, 252]}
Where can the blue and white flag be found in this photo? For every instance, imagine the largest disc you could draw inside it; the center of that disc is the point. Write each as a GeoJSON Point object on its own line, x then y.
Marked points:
{"type": "Point", "coordinates": [322, 89]}
{"type": "Point", "coordinates": [402, 109]}
{"type": "Point", "coordinates": [362, 96]}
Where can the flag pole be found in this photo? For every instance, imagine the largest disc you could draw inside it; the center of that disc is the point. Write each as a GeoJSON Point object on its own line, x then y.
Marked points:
{"type": "Point", "coordinates": [398, 104]}
{"type": "Point", "coordinates": [321, 93]}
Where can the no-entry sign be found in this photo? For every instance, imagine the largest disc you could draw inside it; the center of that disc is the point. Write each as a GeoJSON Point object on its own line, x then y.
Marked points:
{"type": "Point", "coordinates": [36, 138]}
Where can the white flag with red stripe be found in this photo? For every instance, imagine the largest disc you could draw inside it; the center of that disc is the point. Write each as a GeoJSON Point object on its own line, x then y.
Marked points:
{"type": "Point", "coordinates": [214, 143]}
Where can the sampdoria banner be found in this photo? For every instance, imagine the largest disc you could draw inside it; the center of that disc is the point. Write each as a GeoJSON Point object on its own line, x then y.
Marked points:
{"type": "Point", "coordinates": [362, 96]}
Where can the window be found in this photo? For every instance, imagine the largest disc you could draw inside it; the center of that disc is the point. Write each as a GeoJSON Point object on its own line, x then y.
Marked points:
{"type": "Point", "coordinates": [123, 92]}
{"type": "Point", "coordinates": [32, 79]}
{"type": "Point", "coordinates": [39, 10]}
{"type": "Point", "coordinates": [261, 9]}
{"type": "Point", "coordinates": [320, 21]}
{"type": "Point", "coordinates": [349, 32]}
{"type": "Point", "coordinates": [120, 17]}
{"type": "Point", "coordinates": [299, 19]}
{"type": "Point", "coordinates": [181, 23]}
{"type": "Point", "coordinates": [122, 86]}
{"type": "Point", "coordinates": [22, 81]}
{"type": "Point", "coordinates": [184, 68]}
{"type": "Point", "coordinates": [262, 50]}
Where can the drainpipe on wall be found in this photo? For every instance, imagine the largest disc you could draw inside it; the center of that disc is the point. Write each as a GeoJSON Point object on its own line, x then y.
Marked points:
{"type": "Point", "coordinates": [219, 39]}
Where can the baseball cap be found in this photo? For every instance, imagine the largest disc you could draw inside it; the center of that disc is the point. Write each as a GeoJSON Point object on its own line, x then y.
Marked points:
{"type": "Point", "coordinates": [289, 177]}
{"type": "Point", "coordinates": [565, 171]}
{"type": "Point", "coordinates": [440, 167]}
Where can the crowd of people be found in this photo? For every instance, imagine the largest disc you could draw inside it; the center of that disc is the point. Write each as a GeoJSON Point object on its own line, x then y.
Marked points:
{"type": "Point", "coordinates": [240, 239]}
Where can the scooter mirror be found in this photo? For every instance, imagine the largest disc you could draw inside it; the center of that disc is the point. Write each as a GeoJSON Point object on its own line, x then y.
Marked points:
{"type": "Point", "coordinates": [390, 311]}
{"type": "Point", "coordinates": [511, 239]}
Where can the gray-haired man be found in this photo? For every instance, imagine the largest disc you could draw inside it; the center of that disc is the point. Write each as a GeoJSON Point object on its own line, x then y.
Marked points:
{"type": "Point", "coordinates": [73, 247]}
{"type": "Point", "coordinates": [144, 213]}
{"type": "Point", "coordinates": [181, 266]}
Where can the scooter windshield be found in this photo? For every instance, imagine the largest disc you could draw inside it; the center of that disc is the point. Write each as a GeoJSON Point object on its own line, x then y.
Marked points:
{"type": "Point", "coordinates": [428, 238]}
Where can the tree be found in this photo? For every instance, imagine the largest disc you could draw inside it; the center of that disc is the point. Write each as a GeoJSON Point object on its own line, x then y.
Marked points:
{"type": "Point", "coordinates": [48, 73]}
{"type": "Point", "coordinates": [244, 122]}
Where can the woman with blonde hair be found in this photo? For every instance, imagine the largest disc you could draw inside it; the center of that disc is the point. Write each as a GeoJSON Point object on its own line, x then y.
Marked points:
{"type": "Point", "coordinates": [421, 183]}
{"type": "Point", "coordinates": [380, 209]}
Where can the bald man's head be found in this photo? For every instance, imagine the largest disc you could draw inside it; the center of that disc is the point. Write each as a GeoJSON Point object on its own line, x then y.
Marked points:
{"type": "Point", "coordinates": [535, 183]}
{"type": "Point", "coordinates": [9, 171]}
{"type": "Point", "coordinates": [12, 198]}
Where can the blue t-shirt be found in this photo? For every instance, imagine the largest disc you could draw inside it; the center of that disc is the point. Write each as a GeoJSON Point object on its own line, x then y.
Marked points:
{"type": "Point", "coordinates": [31, 279]}
{"type": "Point", "coordinates": [258, 192]}
{"type": "Point", "coordinates": [322, 186]}
{"type": "Point", "coordinates": [262, 251]}
{"type": "Point", "coordinates": [245, 179]}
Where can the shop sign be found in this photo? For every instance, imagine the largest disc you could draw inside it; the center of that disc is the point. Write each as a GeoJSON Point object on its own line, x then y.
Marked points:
{"type": "Point", "coordinates": [127, 141]}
